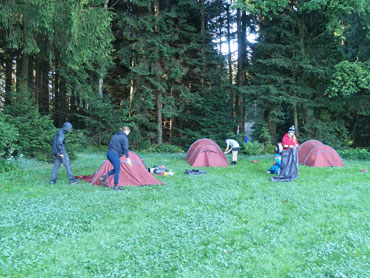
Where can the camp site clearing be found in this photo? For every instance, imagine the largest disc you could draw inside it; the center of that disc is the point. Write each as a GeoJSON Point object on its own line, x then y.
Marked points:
{"type": "Point", "coordinates": [229, 222]}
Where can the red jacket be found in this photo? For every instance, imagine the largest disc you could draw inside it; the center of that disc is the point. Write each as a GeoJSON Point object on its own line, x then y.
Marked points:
{"type": "Point", "coordinates": [288, 142]}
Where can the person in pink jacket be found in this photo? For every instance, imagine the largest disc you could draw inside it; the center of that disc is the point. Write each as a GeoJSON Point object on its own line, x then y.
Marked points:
{"type": "Point", "coordinates": [289, 139]}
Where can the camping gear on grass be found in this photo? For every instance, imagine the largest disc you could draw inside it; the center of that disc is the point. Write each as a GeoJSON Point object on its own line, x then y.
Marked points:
{"type": "Point", "coordinates": [161, 171]}
{"type": "Point", "coordinates": [316, 154]}
{"type": "Point", "coordinates": [194, 172]}
{"type": "Point", "coordinates": [136, 175]}
{"type": "Point", "coordinates": [206, 153]}
{"type": "Point", "coordinates": [289, 166]}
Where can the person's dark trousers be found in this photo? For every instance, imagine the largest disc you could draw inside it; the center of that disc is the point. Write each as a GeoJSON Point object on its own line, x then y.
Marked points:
{"type": "Point", "coordinates": [114, 159]}
{"type": "Point", "coordinates": [57, 162]}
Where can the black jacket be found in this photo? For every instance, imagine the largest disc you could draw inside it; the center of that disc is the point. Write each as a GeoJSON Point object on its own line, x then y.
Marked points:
{"type": "Point", "coordinates": [119, 144]}
{"type": "Point", "coordinates": [58, 146]}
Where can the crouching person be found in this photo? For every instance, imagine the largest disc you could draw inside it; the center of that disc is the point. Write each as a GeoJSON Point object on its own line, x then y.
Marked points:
{"type": "Point", "coordinates": [59, 152]}
{"type": "Point", "coordinates": [233, 147]}
{"type": "Point", "coordinates": [275, 168]}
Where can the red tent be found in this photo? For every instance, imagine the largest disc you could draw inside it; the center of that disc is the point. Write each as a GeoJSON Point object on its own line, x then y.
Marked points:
{"type": "Point", "coordinates": [206, 153]}
{"type": "Point", "coordinates": [128, 176]}
{"type": "Point", "coordinates": [316, 154]}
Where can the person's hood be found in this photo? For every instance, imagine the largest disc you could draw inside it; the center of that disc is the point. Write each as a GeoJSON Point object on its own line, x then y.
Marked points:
{"type": "Point", "coordinates": [67, 126]}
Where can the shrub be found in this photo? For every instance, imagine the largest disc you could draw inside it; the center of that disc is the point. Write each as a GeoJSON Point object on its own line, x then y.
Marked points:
{"type": "Point", "coordinates": [36, 132]}
{"type": "Point", "coordinates": [164, 148]}
{"type": "Point", "coordinates": [7, 166]}
{"type": "Point", "coordinates": [355, 154]}
{"type": "Point", "coordinates": [167, 148]}
{"type": "Point", "coordinates": [8, 138]}
{"type": "Point", "coordinates": [269, 148]}
{"type": "Point", "coordinates": [76, 141]}
{"type": "Point", "coordinates": [251, 148]}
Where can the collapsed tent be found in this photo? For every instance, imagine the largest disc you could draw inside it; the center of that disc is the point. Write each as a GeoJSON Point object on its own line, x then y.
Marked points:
{"type": "Point", "coordinates": [206, 153]}
{"type": "Point", "coordinates": [289, 166]}
{"type": "Point", "coordinates": [136, 175]}
{"type": "Point", "coordinates": [316, 154]}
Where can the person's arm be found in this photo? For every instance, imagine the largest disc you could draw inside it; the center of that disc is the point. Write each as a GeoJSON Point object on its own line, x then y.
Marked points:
{"type": "Point", "coordinates": [59, 143]}
{"type": "Point", "coordinates": [296, 141]}
{"type": "Point", "coordinates": [227, 148]}
{"type": "Point", "coordinates": [125, 150]}
{"type": "Point", "coordinates": [284, 143]}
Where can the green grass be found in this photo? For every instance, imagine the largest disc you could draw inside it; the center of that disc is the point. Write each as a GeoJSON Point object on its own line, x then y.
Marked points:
{"type": "Point", "coordinates": [230, 222]}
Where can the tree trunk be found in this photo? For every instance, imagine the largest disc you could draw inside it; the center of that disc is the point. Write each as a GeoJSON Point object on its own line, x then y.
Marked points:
{"type": "Point", "coordinates": [101, 76]}
{"type": "Point", "coordinates": [62, 101]}
{"type": "Point", "coordinates": [132, 85]}
{"type": "Point", "coordinates": [158, 95]}
{"type": "Point", "coordinates": [231, 97]}
{"type": "Point", "coordinates": [303, 54]}
{"type": "Point", "coordinates": [272, 130]}
{"type": "Point", "coordinates": [38, 84]}
{"type": "Point", "coordinates": [202, 33]}
{"type": "Point", "coordinates": [31, 78]}
{"type": "Point", "coordinates": [8, 79]}
{"type": "Point", "coordinates": [24, 74]}
{"type": "Point", "coordinates": [18, 73]}
{"type": "Point", "coordinates": [44, 90]}
{"type": "Point", "coordinates": [241, 30]}
{"type": "Point", "coordinates": [56, 93]}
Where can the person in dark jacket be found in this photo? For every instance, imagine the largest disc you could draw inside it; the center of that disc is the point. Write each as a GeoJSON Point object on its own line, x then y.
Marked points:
{"type": "Point", "coordinates": [59, 152]}
{"type": "Point", "coordinates": [118, 146]}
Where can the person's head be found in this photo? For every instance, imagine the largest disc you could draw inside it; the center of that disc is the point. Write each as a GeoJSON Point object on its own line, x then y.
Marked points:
{"type": "Point", "coordinates": [279, 148]}
{"type": "Point", "coordinates": [67, 126]}
{"type": "Point", "coordinates": [126, 129]}
{"type": "Point", "coordinates": [291, 131]}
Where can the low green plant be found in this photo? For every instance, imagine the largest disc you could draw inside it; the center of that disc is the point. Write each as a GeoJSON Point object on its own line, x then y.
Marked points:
{"type": "Point", "coordinates": [355, 154]}
{"type": "Point", "coordinates": [8, 139]}
{"type": "Point", "coordinates": [7, 166]}
{"type": "Point", "coordinates": [269, 148]}
{"type": "Point", "coordinates": [76, 142]}
{"type": "Point", "coordinates": [229, 222]}
{"type": "Point", "coordinates": [35, 131]}
{"type": "Point", "coordinates": [251, 148]}
{"type": "Point", "coordinates": [164, 148]}
{"type": "Point", "coordinates": [167, 148]}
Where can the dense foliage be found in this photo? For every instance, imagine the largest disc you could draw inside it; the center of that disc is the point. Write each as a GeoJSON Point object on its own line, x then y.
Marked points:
{"type": "Point", "coordinates": [161, 67]}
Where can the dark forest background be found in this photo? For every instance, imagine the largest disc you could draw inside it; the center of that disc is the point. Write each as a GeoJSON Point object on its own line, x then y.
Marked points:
{"type": "Point", "coordinates": [166, 68]}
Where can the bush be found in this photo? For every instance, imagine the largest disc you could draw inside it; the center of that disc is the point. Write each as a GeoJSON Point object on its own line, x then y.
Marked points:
{"type": "Point", "coordinates": [76, 141]}
{"type": "Point", "coordinates": [355, 154]}
{"type": "Point", "coordinates": [102, 120]}
{"type": "Point", "coordinates": [269, 148]}
{"type": "Point", "coordinates": [7, 166]}
{"type": "Point", "coordinates": [8, 138]}
{"type": "Point", "coordinates": [251, 148]}
{"type": "Point", "coordinates": [164, 148]}
{"type": "Point", "coordinates": [35, 131]}
{"type": "Point", "coordinates": [167, 148]}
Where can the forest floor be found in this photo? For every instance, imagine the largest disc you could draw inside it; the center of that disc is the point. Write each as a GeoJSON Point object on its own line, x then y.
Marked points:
{"type": "Point", "coordinates": [229, 222]}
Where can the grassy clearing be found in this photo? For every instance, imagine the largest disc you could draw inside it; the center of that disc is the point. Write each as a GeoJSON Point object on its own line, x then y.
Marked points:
{"type": "Point", "coordinates": [231, 222]}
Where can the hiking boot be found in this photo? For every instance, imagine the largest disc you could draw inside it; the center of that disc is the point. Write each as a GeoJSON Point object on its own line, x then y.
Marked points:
{"type": "Point", "coordinates": [52, 182]}
{"type": "Point", "coordinates": [116, 187]}
{"type": "Point", "coordinates": [74, 181]}
{"type": "Point", "coordinates": [233, 163]}
{"type": "Point", "coordinates": [103, 179]}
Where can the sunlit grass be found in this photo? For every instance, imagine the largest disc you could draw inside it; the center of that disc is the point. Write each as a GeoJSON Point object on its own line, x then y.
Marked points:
{"type": "Point", "coordinates": [230, 222]}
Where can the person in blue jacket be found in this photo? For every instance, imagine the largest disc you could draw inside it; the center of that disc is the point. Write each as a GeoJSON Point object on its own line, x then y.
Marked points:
{"type": "Point", "coordinates": [275, 168]}
{"type": "Point", "coordinates": [59, 152]}
{"type": "Point", "coordinates": [118, 146]}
